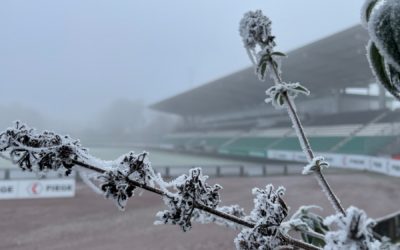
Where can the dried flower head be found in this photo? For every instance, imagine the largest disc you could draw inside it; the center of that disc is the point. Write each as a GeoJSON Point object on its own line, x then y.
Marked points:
{"type": "Point", "coordinates": [255, 29]}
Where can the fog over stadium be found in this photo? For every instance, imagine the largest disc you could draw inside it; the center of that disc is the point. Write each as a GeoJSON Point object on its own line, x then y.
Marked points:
{"type": "Point", "coordinates": [66, 64]}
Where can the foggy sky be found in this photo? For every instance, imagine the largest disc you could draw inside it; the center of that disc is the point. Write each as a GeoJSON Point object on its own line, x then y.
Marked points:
{"type": "Point", "coordinates": [71, 58]}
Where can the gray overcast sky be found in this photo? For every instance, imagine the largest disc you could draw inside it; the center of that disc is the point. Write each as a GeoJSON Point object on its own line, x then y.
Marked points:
{"type": "Point", "coordinates": [73, 57]}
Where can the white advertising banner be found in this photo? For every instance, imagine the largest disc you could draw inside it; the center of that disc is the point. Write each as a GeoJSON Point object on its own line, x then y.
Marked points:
{"type": "Point", "coordinates": [334, 160]}
{"type": "Point", "coordinates": [379, 165]}
{"type": "Point", "coordinates": [299, 156]}
{"type": "Point", "coordinates": [30, 189]}
{"type": "Point", "coordinates": [375, 164]}
{"type": "Point", "coordinates": [356, 161]}
{"type": "Point", "coordinates": [394, 168]}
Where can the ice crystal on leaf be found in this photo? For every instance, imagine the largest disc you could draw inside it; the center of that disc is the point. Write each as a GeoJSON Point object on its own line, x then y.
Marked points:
{"type": "Point", "coordinates": [275, 93]}
{"type": "Point", "coordinates": [191, 189]}
{"type": "Point", "coordinates": [309, 224]}
{"type": "Point", "coordinates": [268, 213]}
{"type": "Point", "coordinates": [354, 231]}
{"type": "Point", "coordinates": [381, 18]}
{"type": "Point", "coordinates": [316, 163]}
{"type": "Point", "coordinates": [384, 29]}
{"type": "Point", "coordinates": [366, 10]}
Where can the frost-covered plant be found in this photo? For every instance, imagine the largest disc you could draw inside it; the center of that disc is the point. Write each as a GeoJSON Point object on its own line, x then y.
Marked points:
{"type": "Point", "coordinates": [354, 231]}
{"type": "Point", "coordinates": [282, 94]}
{"type": "Point", "coordinates": [191, 189]}
{"type": "Point", "coordinates": [309, 224]}
{"type": "Point", "coordinates": [276, 93]}
{"type": "Point", "coordinates": [190, 199]}
{"type": "Point", "coordinates": [268, 213]}
{"type": "Point", "coordinates": [40, 152]}
{"type": "Point", "coordinates": [316, 163]}
{"type": "Point", "coordinates": [115, 182]}
{"type": "Point", "coordinates": [382, 20]}
{"type": "Point", "coordinates": [255, 30]}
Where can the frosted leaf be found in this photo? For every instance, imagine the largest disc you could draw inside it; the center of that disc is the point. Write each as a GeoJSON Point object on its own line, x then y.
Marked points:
{"type": "Point", "coordinates": [384, 29]}
{"type": "Point", "coordinates": [308, 223]}
{"type": "Point", "coordinates": [115, 186]}
{"type": "Point", "coordinates": [366, 10]}
{"type": "Point", "coordinates": [316, 163]}
{"type": "Point", "coordinates": [276, 93]}
{"type": "Point", "coordinates": [191, 189]}
{"type": "Point", "coordinates": [234, 210]}
{"type": "Point", "coordinates": [268, 213]}
{"type": "Point", "coordinates": [354, 231]}
{"type": "Point", "coordinates": [268, 62]}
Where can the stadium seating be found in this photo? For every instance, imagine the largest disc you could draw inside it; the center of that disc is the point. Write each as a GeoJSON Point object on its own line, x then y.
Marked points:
{"type": "Point", "coordinates": [321, 144]}
{"type": "Point", "coordinates": [365, 145]}
{"type": "Point", "coordinates": [366, 139]}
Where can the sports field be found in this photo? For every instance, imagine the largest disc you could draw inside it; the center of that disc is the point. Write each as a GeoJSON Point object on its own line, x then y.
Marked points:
{"type": "Point", "coordinates": [161, 158]}
{"type": "Point", "coordinates": [89, 222]}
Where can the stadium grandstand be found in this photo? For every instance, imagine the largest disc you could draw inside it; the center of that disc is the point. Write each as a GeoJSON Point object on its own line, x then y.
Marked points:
{"type": "Point", "coordinates": [346, 112]}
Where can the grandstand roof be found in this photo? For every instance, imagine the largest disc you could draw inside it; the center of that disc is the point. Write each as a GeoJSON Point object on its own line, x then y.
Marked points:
{"type": "Point", "coordinates": [334, 62]}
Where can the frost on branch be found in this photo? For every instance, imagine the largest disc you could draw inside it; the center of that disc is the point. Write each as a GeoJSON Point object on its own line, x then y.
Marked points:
{"type": "Point", "coordinates": [234, 210]}
{"type": "Point", "coordinates": [354, 231]}
{"type": "Point", "coordinates": [316, 163]}
{"type": "Point", "coordinates": [40, 152]}
{"type": "Point", "coordinates": [115, 182]}
{"type": "Point", "coordinates": [268, 213]}
{"type": "Point", "coordinates": [191, 189]}
{"type": "Point", "coordinates": [275, 93]}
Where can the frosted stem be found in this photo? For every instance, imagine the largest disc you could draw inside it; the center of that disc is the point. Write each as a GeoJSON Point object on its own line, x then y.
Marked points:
{"type": "Point", "coordinates": [288, 239]}
{"type": "Point", "coordinates": [160, 192]}
{"type": "Point", "coordinates": [299, 244]}
{"type": "Point", "coordinates": [305, 145]}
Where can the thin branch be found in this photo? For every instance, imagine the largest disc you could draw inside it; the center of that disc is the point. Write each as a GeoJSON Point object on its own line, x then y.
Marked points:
{"type": "Point", "coordinates": [160, 192]}
{"type": "Point", "coordinates": [294, 242]}
{"type": "Point", "coordinates": [204, 208]}
{"type": "Point", "coordinates": [291, 108]}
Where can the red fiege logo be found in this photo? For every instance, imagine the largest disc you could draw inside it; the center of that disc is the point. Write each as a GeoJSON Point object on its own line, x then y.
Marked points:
{"type": "Point", "coordinates": [35, 188]}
